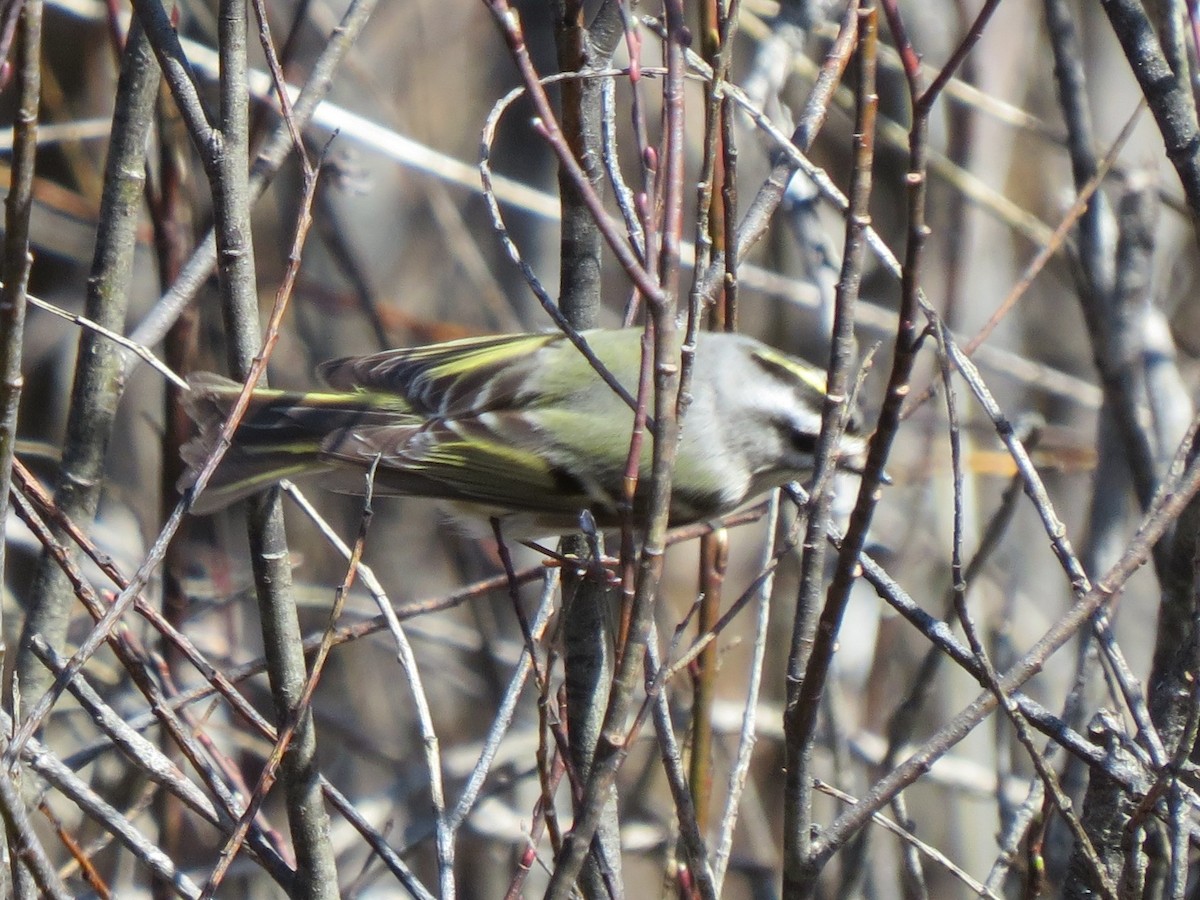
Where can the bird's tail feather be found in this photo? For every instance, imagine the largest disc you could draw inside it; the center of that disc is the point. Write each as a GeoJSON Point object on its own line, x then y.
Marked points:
{"type": "Point", "coordinates": [280, 436]}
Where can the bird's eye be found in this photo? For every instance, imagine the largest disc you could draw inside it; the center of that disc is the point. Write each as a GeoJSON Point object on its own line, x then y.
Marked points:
{"type": "Point", "coordinates": [802, 440]}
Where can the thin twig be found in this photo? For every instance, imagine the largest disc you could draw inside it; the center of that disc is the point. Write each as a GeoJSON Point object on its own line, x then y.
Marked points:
{"type": "Point", "coordinates": [139, 350]}
{"type": "Point", "coordinates": [505, 709]}
{"type": "Point", "coordinates": [740, 770]}
{"type": "Point", "coordinates": [812, 632]}
{"type": "Point", "coordinates": [910, 839]}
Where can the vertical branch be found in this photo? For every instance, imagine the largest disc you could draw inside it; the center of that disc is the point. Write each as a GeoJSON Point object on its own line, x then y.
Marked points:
{"type": "Point", "coordinates": [171, 215]}
{"type": "Point", "coordinates": [17, 258]}
{"type": "Point", "coordinates": [99, 376]}
{"type": "Point", "coordinates": [714, 211]}
{"type": "Point", "coordinates": [1070, 80]}
{"type": "Point", "coordinates": [581, 243]}
{"type": "Point", "coordinates": [587, 637]}
{"type": "Point", "coordinates": [713, 188]}
{"type": "Point", "coordinates": [17, 263]}
{"type": "Point", "coordinates": [227, 169]}
{"type": "Point", "coordinates": [714, 560]}
{"type": "Point", "coordinates": [804, 690]}
{"type": "Point", "coordinates": [613, 746]}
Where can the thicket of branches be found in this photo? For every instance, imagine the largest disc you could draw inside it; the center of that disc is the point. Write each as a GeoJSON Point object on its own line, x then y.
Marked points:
{"type": "Point", "coordinates": [970, 670]}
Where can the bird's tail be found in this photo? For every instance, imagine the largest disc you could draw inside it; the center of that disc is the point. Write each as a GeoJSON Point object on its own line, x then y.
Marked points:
{"type": "Point", "coordinates": [280, 436]}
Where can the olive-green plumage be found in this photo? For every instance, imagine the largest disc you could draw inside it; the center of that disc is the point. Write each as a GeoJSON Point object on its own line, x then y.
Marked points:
{"type": "Point", "coordinates": [521, 426]}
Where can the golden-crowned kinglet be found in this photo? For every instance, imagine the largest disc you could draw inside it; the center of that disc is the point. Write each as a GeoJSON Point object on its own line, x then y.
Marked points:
{"type": "Point", "coordinates": [520, 426]}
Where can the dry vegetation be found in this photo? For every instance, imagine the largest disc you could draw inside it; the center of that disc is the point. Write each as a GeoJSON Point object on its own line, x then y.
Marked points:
{"type": "Point", "coordinates": [1041, 504]}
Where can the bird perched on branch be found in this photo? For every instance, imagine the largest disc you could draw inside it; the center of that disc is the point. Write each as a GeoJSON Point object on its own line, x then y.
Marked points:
{"type": "Point", "coordinates": [523, 427]}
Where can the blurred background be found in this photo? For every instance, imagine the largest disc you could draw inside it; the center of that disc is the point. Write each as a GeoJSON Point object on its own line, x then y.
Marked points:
{"type": "Point", "coordinates": [403, 251]}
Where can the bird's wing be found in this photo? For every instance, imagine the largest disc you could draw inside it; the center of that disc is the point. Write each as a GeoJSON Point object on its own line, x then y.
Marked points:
{"type": "Point", "coordinates": [449, 379]}
{"type": "Point", "coordinates": [462, 461]}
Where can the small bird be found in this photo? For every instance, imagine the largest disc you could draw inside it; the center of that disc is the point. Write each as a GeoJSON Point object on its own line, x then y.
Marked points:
{"type": "Point", "coordinates": [521, 427]}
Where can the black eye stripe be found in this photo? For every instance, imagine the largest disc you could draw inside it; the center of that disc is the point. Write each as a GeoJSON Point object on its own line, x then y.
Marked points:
{"type": "Point", "coordinates": [803, 441]}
